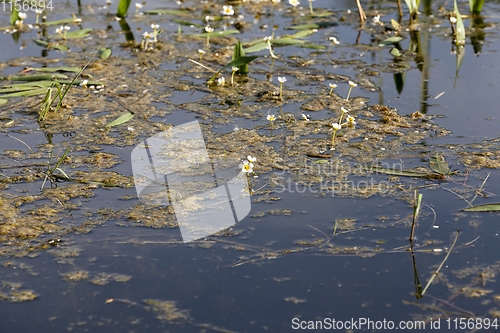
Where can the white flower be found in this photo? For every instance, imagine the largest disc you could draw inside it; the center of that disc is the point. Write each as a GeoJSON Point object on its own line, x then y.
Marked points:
{"type": "Point", "coordinates": [336, 126]}
{"type": "Point", "coordinates": [334, 40]}
{"type": "Point", "coordinates": [138, 5]}
{"type": "Point", "coordinates": [294, 3]}
{"type": "Point", "coordinates": [22, 16]}
{"type": "Point", "coordinates": [17, 22]}
{"type": "Point", "coordinates": [332, 85]}
{"type": "Point", "coordinates": [84, 83]}
{"type": "Point", "coordinates": [305, 117]}
{"type": "Point", "coordinates": [155, 26]}
{"type": "Point", "coordinates": [376, 20]}
{"type": "Point", "coordinates": [276, 1]}
{"type": "Point", "coordinates": [228, 10]}
{"type": "Point", "coordinates": [59, 30]}
{"type": "Point", "coordinates": [234, 69]}
{"type": "Point", "coordinates": [201, 52]}
{"type": "Point", "coordinates": [268, 38]}
{"type": "Point", "coordinates": [251, 159]}
{"type": "Point", "coordinates": [352, 84]}
{"type": "Point", "coordinates": [453, 19]}
{"type": "Point", "coordinates": [221, 81]}
{"type": "Point", "coordinates": [246, 167]}
{"type": "Point", "coordinates": [209, 29]}
{"type": "Point", "coordinates": [350, 120]}
{"type": "Point", "coordinates": [281, 79]}
{"type": "Point", "coordinates": [67, 28]}
{"type": "Point", "coordinates": [209, 18]}
{"type": "Point", "coordinates": [108, 2]}
{"type": "Point", "coordinates": [147, 35]}
{"type": "Point", "coordinates": [39, 11]}
{"type": "Point", "coordinates": [271, 117]}
{"type": "Point", "coordinates": [344, 110]}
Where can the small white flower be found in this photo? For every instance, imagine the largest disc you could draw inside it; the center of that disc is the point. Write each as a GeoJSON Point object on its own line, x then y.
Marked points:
{"type": "Point", "coordinates": [22, 16]}
{"type": "Point", "coordinates": [59, 30]}
{"type": "Point", "coordinates": [251, 159]}
{"type": "Point", "coordinates": [246, 167]}
{"type": "Point", "coordinates": [294, 3]}
{"type": "Point", "coordinates": [108, 2]}
{"type": "Point", "coordinates": [84, 83]}
{"type": "Point", "coordinates": [221, 81]}
{"type": "Point", "coordinates": [39, 11]}
{"type": "Point", "coordinates": [306, 117]}
{"type": "Point", "coordinates": [332, 85]}
{"type": "Point", "coordinates": [453, 19]}
{"type": "Point", "coordinates": [271, 117]}
{"type": "Point", "coordinates": [138, 5]}
{"type": "Point", "coordinates": [17, 22]}
{"type": "Point", "coordinates": [147, 35]}
{"type": "Point", "coordinates": [344, 110]}
{"type": "Point", "coordinates": [276, 1]}
{"type": "Point", "coordinates": [155, 26]}
{"type": "Point", "coordinates": [281, 79]}
{"type": "Point", "coordinates": [334, 40]}
{"type": "Point", "coordinates": [336, 126]}
{"type": "Point", "coordinates": [376, 20]}
{"type": "Point", "coordinates": [228, 10]}
{"type": "Point", "coordinates": [209, 18]}
{"type": "Point", "coordinates": [350, 120]}
{"type": "Point", "coordinates": [201, 52]}
{"type": "Point", "coordinates": [268, 38]}
{"type": "Point", "coordinates": [67, 28]}
{"type": "Point", "coordinates": [352, 84]}
{"type": "Point", "coordinates": [209, 29]}
{"type": "Point", "coordinates": [234, 69]}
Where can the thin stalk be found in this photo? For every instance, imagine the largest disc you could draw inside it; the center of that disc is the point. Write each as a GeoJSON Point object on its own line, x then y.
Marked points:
{"type": "Point", "coordinates": [440, 266]}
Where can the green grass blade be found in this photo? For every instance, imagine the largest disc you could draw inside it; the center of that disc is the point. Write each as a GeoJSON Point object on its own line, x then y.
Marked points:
{"type": "Point", "coordinates": [239, 52]}
{"type": "Point", "coordinates": [484, 208]}
{"type": "Point", "coordinates": [460, 27]}
{"type": "Point", "coordinates": [60, 160]}
{"type": "Point", "coordinates": [121, 119]}
{"type": "Point", "coordinates": [476, 6]}
{"type": "Point", "coordinates": [123, 8]}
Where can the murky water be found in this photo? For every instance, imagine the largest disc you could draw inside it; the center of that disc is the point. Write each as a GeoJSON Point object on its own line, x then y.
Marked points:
{"type": "Point", "coordinates": [323, 239]}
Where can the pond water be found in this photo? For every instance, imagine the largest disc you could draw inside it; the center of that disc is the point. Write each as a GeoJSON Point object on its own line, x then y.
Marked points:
{"type": "Point", "coordinates": [326, 237]}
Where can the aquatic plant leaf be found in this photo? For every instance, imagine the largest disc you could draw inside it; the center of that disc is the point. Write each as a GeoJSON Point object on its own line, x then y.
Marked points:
{"type": "Point", "coordinates": [235, 63]}
{"type": "Point", "coordinates": [484, 208]}
{"type": "Point", "coordinates": [256, 47]}
{"type": "Point", "coordinates": [312, 25]}
{"type": "Point", "coordinates": [460, 59]}
{"type": "Point", "coordinates": [56, 69]}
{"type": "Point", "coordinates": [439, 165]}
{"type": "Point", "coordinates": [395, 25]}
{"type": "Point", "coordinates": [239, 52]}
{"type": "Point", "coordinates": [322, 14]}
{"type": "Point", "coordinates": [104, 53]}
{"type": "Point", "coordinates": [302, 33]}
{"type": "Point", "coordinates": [27, 93]}
{"type": "Point", "coordinates": [167, 12]}
{"type": "Point", "coordinates": [123, 6]}
{"type": "Point", "coordinates": [14, 15]}
{"type": "Point", "coordinates": [476, 6]}
{"type": "Point", "coordinates": [412, 6]}
{"type": "Point", "coordinates": [40, 77]}
{"type": "Point", "coordinates": [186, 23]}
{"type": "Point", "coordinates": [320, 161]}
{"type": "Point", "coordinates": [79, 33]}
{"type": "Point", "coordinates": [51, 45]}
{"type": "Point", "coordinates": [395, 52]}
{"type": "Point", "coordinates": [31, 85]}
{"type": "Point", "coordinates": [398, 172]}
{"type": "Point", "coordinates": [390, 40]}
{"type": "Point", "coordinates": [61, 22]}
{"type": "Point", "coordinates": [215, 34]}
{"type": "Point", "coordinates": [311, 46]}
{"type": "Point", "coordinates": [460, 27]}
{"type": "Point", "coordinates": [121, 119]}
{"type": "Point", "coordinates": [287, 41]}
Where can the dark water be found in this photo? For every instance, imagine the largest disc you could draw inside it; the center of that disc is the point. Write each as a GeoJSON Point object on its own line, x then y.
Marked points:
{"type": "Point", "coordinates": [267, 273]}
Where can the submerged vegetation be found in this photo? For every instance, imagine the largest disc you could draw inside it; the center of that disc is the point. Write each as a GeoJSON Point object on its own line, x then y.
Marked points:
{"type": "Point", "coordinates": [251, 93]}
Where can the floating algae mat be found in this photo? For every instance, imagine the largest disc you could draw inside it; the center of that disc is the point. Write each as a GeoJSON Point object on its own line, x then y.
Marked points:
{"type": "Point", "coordinates": [311, 170]}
